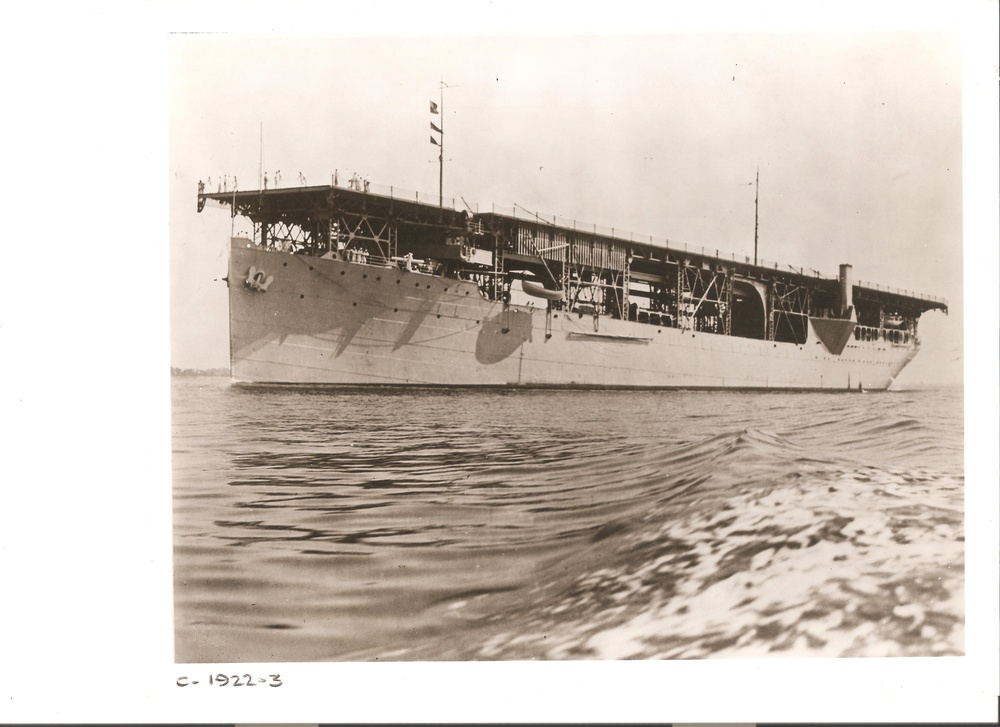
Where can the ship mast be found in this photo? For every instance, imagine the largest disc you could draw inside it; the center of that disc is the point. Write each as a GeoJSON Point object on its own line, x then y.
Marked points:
{"type": "Point", "coordinates": [438, 110]}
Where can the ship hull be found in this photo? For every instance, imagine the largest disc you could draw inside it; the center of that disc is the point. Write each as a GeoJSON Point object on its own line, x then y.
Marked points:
{"type": "Point", "coordinates": [328, 321]}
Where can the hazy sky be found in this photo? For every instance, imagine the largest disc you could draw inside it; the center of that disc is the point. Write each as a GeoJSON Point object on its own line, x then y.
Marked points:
{"type": "Point", "coordinates": [858, 137]}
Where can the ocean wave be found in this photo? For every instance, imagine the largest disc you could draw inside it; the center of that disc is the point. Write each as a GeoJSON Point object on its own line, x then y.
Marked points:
{"type": "Point", "coordinates": [562, 525]}
{"type": "Point", "coordinates": [822, 567]}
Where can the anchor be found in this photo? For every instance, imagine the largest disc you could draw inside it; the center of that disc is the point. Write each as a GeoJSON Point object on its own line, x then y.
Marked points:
{"type": "Point", "coordinates": [256, 279]}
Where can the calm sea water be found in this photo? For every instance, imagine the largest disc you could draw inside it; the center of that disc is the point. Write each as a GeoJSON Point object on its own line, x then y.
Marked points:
{"type": "Point", "coordinates": [314, 524]}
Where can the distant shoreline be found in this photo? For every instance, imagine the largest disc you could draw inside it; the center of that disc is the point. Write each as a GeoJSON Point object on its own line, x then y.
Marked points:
{"type": "Point", "coordinates": [176, 371]}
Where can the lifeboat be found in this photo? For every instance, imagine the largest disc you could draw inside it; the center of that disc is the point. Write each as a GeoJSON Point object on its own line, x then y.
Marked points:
{"type": "Point", "coordinates": [540, 291]}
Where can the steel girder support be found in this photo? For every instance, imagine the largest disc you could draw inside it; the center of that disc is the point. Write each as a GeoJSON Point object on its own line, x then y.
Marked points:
{"type": "Point", "coordinates": [359, 226]}
{"type": "Point", "coordinates": [695, 287]}
{"type": "Point", "coordinates": [787, 300]}
{"type": "Point", "coordinates": [626, 283]}
{"type": "Point", "coordinates": [500, 244]}
{"type": "Point", "coordinates": [279, 233]}
{"type": "Point", "coordinates": [726, 302]}
{"type": "Point", "coordinates": [289, 233]}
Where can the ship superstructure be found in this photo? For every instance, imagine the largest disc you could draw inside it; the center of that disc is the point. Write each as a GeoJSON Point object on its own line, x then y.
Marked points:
{"type": "Point", "coordinates": [355, 286]}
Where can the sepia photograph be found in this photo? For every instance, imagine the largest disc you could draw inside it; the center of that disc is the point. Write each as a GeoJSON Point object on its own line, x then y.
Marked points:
{"type": "Point", "coordinates": [516, 348]}
{"type": "Point", "coordinates": [468, 363]}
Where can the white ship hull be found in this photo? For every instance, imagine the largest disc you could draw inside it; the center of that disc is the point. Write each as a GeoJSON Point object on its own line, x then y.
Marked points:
{"type": "Point", "coordinates": [327, 321]}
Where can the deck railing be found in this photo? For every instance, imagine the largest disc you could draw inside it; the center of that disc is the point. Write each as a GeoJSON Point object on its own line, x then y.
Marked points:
{"type": "Point", "coordinates": [392, 192]}
{"type": "Point", "coordinates": [898, 291]}
{"type": "Point", "coordinates": [620, 235]}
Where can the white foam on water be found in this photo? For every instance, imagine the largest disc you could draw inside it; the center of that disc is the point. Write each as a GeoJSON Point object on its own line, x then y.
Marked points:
{"type": "Point", "coordinates": [835, 564]}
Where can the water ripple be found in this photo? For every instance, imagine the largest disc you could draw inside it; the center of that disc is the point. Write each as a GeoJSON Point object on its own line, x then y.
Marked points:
{"type": "Point", "coordinates": [315, 524]}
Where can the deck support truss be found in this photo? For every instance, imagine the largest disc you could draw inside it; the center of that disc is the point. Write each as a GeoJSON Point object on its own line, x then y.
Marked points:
{"type": "Point", "coordinates": [356, 229]}
{"type": "Point", "coordinates": [499, 279]}
{"type": "Point", "coordinates": [704, 299]}
{"type": "Point", "coordinates": [789, 306]}
{"type": "Point", "coordinates": [281, 234]}
{"type": "Point", "coordinates": [626, 283]}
